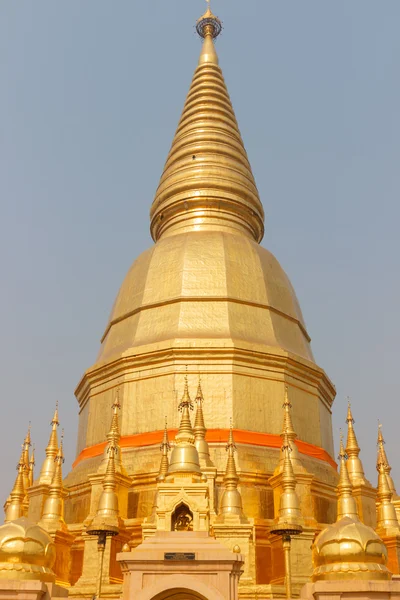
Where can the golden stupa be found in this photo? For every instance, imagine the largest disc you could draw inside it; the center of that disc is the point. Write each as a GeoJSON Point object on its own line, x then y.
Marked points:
{"type": "Point", "coordinates": [207, 299]}
{"type": "Point", "coordinates": [206, 308]}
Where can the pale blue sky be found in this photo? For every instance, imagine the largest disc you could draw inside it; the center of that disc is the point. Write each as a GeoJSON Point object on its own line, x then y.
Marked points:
{"type": "Point", "coordinates": [91, 94]}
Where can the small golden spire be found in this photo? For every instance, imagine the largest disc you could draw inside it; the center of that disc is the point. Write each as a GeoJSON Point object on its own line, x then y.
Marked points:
{"type": "Point", "coordinates": [48, 466]}
{"type": "Point", "coordinates": [25, 457]}
{"type": "Point", "coordinates": [53, 509]}
{"type": "Point", "coordinates": [231, 501]}
{"type": "Point", "coordinates": [107, 515]}
{"type": "Point", "coordinates": [15, 508]}
{"type": "Point", "coordinates": [184, 456]}
{"type": "Point", "coordinates": [354, 464]}
{"type": "Point", "coordinates": [200, 430]}
{"type": "Point", "coordinates": [346, 506]}
{"type": "Point", "coordinates": [289, 516]}
{"type": "Point", "coordinates": [388, 468]}
{"type": "Point", "coordinates": [288, 430]}
{"type": "Point", "coordinates": [113, 438]}
{"type": "Point", "coordinates": [165, 448]}
{"type": "Point", "coordinates": [386, 512]}
{"type": "Point", "coordinates": [32, 466]}
{"type": "Point", "coordinates": [114, 433]}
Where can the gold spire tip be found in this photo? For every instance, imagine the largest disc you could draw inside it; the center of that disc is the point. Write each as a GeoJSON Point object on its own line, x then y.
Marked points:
{"type": "Point", "coordinates": [208, 24]}
{"type": "Point", "coordinates": [349, 418]}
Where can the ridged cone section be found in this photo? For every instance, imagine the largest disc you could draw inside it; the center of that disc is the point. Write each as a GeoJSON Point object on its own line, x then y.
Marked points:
{"type": "Point", "coordinates": [207, 181]}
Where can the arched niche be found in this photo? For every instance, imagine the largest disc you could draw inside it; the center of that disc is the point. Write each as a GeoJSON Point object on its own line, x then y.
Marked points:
{"type": "Point", "coordinates": [182, 518]}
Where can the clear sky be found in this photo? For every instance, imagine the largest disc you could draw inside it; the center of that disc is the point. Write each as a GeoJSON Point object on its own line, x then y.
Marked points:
{"type": "Point", "coordinates": [91, 92]}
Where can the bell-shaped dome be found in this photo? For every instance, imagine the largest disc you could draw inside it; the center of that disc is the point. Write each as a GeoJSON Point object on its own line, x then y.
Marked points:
{"type": "Point", "coordinates": [349, 549]}
{"type": "Point", "coordinates": [206, 284]}
{"type": "Point", "coordinates": [26, 551]}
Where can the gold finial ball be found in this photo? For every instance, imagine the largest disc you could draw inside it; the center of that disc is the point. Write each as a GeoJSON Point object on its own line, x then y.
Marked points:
{"type": "Point", "coordinates": [236, 549]}
{"type": "Point", "coordinates": [208, 24]}
{"type": "Point", "coordinates": [126, 548]}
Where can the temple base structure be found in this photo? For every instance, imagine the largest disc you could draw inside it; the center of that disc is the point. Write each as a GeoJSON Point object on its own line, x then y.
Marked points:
{"type": "Point", "coordinates": [180, 562]}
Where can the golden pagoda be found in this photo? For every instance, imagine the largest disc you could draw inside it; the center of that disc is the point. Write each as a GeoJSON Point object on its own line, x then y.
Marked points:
{"type": "Point", "coordinates": [207, 299]}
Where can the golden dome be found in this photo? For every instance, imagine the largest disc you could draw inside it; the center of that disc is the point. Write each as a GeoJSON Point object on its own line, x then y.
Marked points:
{"type": "Point", "coordinates": [26, 551]}
{"type": "Point", "coordinates": [349, 549]}
{"type": "Point", "coordinates": [206, 284]}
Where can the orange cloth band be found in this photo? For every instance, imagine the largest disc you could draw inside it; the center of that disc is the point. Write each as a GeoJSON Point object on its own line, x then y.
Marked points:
{"type": "Point", "coordinates": [242, 436]}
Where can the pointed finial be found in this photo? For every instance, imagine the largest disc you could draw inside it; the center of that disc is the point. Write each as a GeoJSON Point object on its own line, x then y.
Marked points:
{"type": "Point", "coordinates": [184, 406]}
{"type": "Point", "coordinates": [208, 25]}
{"type": "Point", "coordinates": [346, 503]}
{"type": "Point", "coordinates": [31, 466]}
{"type": "Point", "coordinates": [165, 448]}
{"type": "Point", "coordinates": [354, 465]}
{"type": "Point", "coordinates": [381, 445]}
{"type": "Point", "coordinates": [288, 430]}
{"type": "Point", "coordinates": [387, 522]}
{"type": "Point", "coordinates": [114, 432]}
{"type": "Point", "coordinates": [200, 430]}
{"type": "Point", "coordinates": [15, 508]}
{"type": "Point", "coordinates": [55, 422]}
{"type": "Point", "coordinates": [48, 466]}
{"type": "Point", "coordinates": [25, 457]}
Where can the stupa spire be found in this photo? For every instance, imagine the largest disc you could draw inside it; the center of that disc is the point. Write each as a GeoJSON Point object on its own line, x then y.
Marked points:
{"type": "Point", "coordinates": [25, 457]}
{"type": "Point", "coordinates": [289, 432]}
{"type": "Point", "coordinates": [184, 456]}
{"type": "Point", "coordinates": [347, 506]}
{"type": "Point", "coordinates": [386, 512]}
{"type": "Point", "coordinates": [48, 466]}
{"type": "Point", "coordinates": [231, 501]}
{"type": "Point", "coordinates": [388, 468]}
{"type": "Point", "coordinates": [354, 464]}
{"type": "Point", "coordinates": [15, 508]}
{"type": "Point", "coordinates": [165, 448]}
{"type": "Point", "coordinates": [113, 438]}
{"type": "Point", "coordinates": [53, 510]}
{"type": "Point", "coordinates": [200, 430]}
{"type": "Point", "coordinates": [107, 515]}
{"type": "Point", "coordinates": [289, 508]}
{"type": "Point", "coordinates": [32, 466]}
{"type": "Point", "coordinates": [207, 183]}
